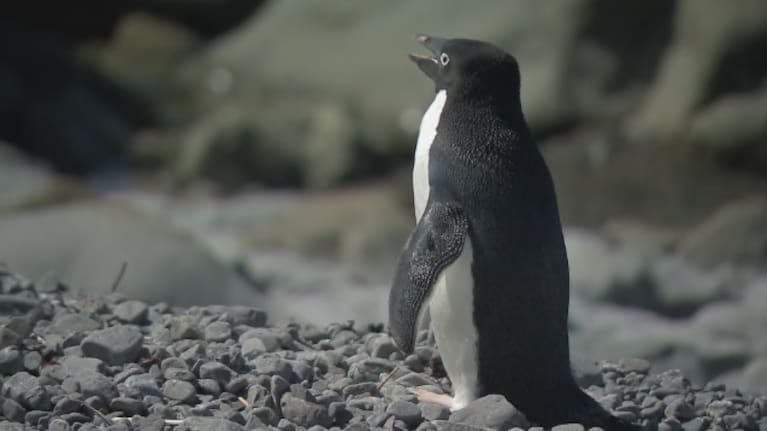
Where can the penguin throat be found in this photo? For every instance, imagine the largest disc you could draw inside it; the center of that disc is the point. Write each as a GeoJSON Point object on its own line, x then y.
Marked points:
{"type": "Point", "coordinates": [426, 134]}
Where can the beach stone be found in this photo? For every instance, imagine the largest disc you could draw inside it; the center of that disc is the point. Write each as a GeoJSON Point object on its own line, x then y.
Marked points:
{"type": "Point", "coordinates": [26, 390]}
{"type": "Point", "coordinates": [272, 365]}
{"type": "Point", "coordinates": [216, 371]}
{"type": "Point", "coordinates": [179, 390]}
{"type": "Point", "coordinates": [218, 331]}
{"type": "Point", "coordinates": [115, 345]}
{"type": "Point", "coordinates": [199, 423]}
{"type": "Point", "coordinates": [491, 411]}
{"type": "Point", "coordinates": [304, 413]}
{"type": "Point", "coordinates": [96, 384]}
{"type": "Point", "coordinates": [134, 312]}
{"type": "Point", "coordinates": [129, 406]}
{"type": "Point", "coordinates": [65, 324]}
{"type": "Point", "coordinates": [434, 411]}
{"type": "Point", "coordinates": [11, 361]}
{"type": "Point", "coordinates": [13, 410]}
{"type": "Point", "coordinates": [405, 411]}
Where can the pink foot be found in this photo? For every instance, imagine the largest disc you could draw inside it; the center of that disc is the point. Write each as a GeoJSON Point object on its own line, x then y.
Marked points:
{"type": "Point", "coordinates": [431, 397]}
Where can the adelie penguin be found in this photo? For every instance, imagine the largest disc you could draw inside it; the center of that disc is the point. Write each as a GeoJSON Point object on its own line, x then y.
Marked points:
{"type": "Point", "coordinates": [487, 255]}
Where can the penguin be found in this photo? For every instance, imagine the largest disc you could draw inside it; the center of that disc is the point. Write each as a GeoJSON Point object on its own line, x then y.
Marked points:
{"type": "Point", "coordinates": [487, 256]}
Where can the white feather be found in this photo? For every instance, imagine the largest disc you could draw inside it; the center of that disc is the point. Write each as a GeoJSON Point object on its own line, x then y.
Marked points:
{"type": "Point", "coordinates": [452, 300]}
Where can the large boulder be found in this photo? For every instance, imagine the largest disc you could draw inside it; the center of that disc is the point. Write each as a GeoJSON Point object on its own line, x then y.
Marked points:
{"type": "Point", "coordinates": [86, 245]}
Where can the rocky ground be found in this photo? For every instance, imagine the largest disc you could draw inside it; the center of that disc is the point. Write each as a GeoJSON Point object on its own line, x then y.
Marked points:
{"type": "Point", "coordinates": [70, 362]}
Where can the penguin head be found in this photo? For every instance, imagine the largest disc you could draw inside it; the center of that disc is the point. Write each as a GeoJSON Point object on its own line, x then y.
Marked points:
{"type": "Point", "coordinates": [463, 64]}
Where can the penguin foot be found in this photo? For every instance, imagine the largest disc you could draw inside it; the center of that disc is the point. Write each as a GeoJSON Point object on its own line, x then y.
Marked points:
{"type": "Point", "coordinates": [431, 397]}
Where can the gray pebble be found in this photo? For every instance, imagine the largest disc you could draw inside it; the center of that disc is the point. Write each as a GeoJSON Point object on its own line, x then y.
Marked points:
{"type": "Point", "coordinates": [66, 405]}
{"type": "Point", "coordinates": [272, 365]}
{"type": "Point", "coordinates": [383, 347]}
{"type": "Point", "coordinates": [680, 410]}
{"type": "Point", "coordinates": [452, 426]}
{"type": "Point", "coordinates": [359, 389]}
{"type": "Point", "coordinates": [142, 385]}
{"type": "Point", "coordinates": [185, 327]}
{"type": "Point", "coordinates": [491, 411]}
{"type": "Point", "coordinates": [178, 374]}
{"type": "Point", "coordinates": [568, 427]}
{"type": "Point", "coordinates": [115, 345]}
{"type": "Point", "coordinates": [13, 410]}
{"type": "Point", "coordinates": [218, 332]}
{"type": "Point", "coordinates": [670, 424]}
{"type": "Point", "coordinates": [304, 413]}
{"type": "Point", "coordinates": [209, 386]}
{"type": "Point", "coordinates": [241, 315]}
{"type": "Point", "coordinates": [25, 389]}
{"type": "Point", "coordinates": [65, 324]}
{"type": "Point", "coordinates": [131, 312]}
{"type": "Point", "coordinates": [58, 425]}
{"type": "Point", "coordinates": [434, 411]}
{"type": "Point", "coordinates": [179, 390]}
{"type": "Point", "coordinates": [96, 384]}
{"type": "Point", "coordinates": [32, 361]}
{"type": "Point", "coordinates": [696, 424]}
{"type": "Point", "coordinates": [216, 371]}
{"type": "Point", "coordinates": [405, 411]}
{"type": "Point", "coordinates": [11, 361]}
{"type": "Point", "coordinates": [200, 423]}
{"type": "Point", "coordinates": [637, 365]}
{"type": "Point", "coordinates": [129, 406]}
{"type": "Point", "coordinates": [266, 415]}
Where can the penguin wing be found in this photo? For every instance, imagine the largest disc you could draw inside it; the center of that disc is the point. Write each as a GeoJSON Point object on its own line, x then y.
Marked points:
{"type": "Point", "coordinates": [434, 244]}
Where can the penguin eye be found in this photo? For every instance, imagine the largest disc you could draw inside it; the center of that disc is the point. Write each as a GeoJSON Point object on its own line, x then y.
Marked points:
{"type": "Point", "coordinates": [444, 59]}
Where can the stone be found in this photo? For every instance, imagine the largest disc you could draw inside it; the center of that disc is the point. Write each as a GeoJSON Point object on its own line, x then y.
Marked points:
{"type": "Point", "coordinates": [65, 324]}
{"type": "Point", "coordinates": [11, 361]}
{"type": "Point", "coordinates": [216, 371]}
{"type": "Point", "coordinates": [218, 332]}
{"type": "Point", "coordinates": [383, 347]}
{"type": "Point", "coordinates": [185, 327]}
{"type": "Point", "coordinates": [26, 390]}
{"type": "Point", "coordinates": [199, 423]}
{"type": "Point", "coordinates": [96, 384]}
{"type": "Point", "coordinates": [134, 312]}
{"type": "Point", "coordinates": [179, 390]}
{"type": "Point", "coordinates": [304, 413]}
{"type": "Point", "coordinates": [128, 406]}
{"type": "Point", "coordinates": [433, 411]}
{"type": "Point", "coordinates": [73, 365]}
{"type": "Point", "coordinates": [680, 410]}
{"type": "Point", "coordinates": [115, 345]}
{"type": "Point", "coordinates": [13, 410]}
{"type": "Point", "coordinates": [491, 411]}
{"type": "Point", "coordinates": [209, 386]}
{"type": "Point", "coordinates": [405, 411]}
{"type": "Point", "coordinates": [272, 365]}
{"type": "Point", "coordinates": [568, 427]}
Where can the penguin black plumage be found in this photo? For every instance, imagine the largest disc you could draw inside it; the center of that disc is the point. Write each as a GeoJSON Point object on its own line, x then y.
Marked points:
{"type": "Point", "coordinates": [488, 254]}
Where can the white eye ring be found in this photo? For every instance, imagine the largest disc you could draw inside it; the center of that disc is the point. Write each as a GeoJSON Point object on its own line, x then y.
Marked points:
{"type": "Point", "coordinates": [444, 59]}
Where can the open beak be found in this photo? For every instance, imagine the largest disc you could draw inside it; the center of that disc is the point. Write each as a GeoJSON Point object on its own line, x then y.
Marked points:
{"type": "Point", "coordinates": [428, 64]}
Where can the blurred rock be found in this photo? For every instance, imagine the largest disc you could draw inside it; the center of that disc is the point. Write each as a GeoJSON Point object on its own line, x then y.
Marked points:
{"type": "Point", "coordinates": [734, 130]}
{"type": "Point", "coordinates": [359, 103]}
{"type": "Point", "coordinates": [86, 244]}
{"type": "Point", "coordinates": [737, 232]}
{"type": "Point", "coordinates": [712, 41]}
{"type": "Point", "coordinates": [639, 235]}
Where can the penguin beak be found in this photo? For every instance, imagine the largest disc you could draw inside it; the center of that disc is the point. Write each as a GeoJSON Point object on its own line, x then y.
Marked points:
{"type": "Point", "coordinates": [428, 64]}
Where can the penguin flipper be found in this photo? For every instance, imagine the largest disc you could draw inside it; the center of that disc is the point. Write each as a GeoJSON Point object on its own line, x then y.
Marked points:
{"type": "Point", "coordinates": [435, 243]}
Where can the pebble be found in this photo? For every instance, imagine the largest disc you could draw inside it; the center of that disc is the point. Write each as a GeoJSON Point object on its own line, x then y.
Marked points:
{"type": "Point", "coordinates": [134, 312]}
{"type": "Point", "coordinates": [491, 411]}
{"type": "Point", "coordinates": [115, 345]}
{"type": "Point", "coordinates": [433, 411]}
{"type": "Point", "coordinates": [405, 411]}
{"type": "Point", "coordinates": [179, 390]}
{"type": "Point", "coordinates": [218, 332]}
{"type": "Point", "coordinates": [25, 389]}
{"type": "Point", "coordinates": [13, 410]}
{"type": "Point", "coordinates": [11, 361]}
{"type": "Point", "coordinates": [128, 406]}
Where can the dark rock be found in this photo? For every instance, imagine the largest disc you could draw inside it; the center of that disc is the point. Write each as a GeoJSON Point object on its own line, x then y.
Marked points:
{"type": "Point", "coordinates": [359, 389]}
{"type": "Point", "coordinates": [134, 312]}
{"type": "Point", "coordinates": [434, 411]}
{"type": "Point", "coordinates": [73, 365]}
{"type": "Point", "coordinates": [66, 324]}
{"type": "Point", "coordinates": [13, 410]}
{"type": "Point", "coordinates": [8, 337]}
{"type": "Point", "coordinates": [216, 371]}
{"type": "Point", "coordinates": [451, 426]}
{"type": "Point", "coordinates": [199, 423]}
{"type": "Point", "coordinates": [142, 385]}
{"type": "Point", "coordinates": [638, 365]}
{"type": "Point", "coordinates": [241, 315]}
{"type": "Point", "coordinates": [568, 427]}
{"type": "Point", "coordinates": [115, 345]}
{"type": "Point", "coordinates": [25, 389]}
{"type": "Point", "coordinates": [491, 411]}
{"type": "Point", "coordinates": [96, 384]}
{"type": "Point", "coordinates": [304, 413]}
{"type": "Point", "coordinates": [11, 361]}
{"type": "Point", "coordinates": [405, 411]}
{"type": "Point", "coordinates": [679, 409]}
{"type": "Point", "coordinates": [128, 406]}
{"type": "Point", "coordinates": [58, 425]}
{"type": "Point", "coordinates": [383, 347]}
{"type": "Point", "coordinates": [696, 424]}
{"type": "Point", "coordinates": [32, 361]}
{"type": "Point", "coordinates": [179, 390]}
{"type": "Point", "coordinates": [209, 386]}
{"type": "Point", "coordinates": [185, 327]}
{"type": "Point", "coordinates": [218, 331]}
{"type": "Point", "coordinates": [66, 405]}
{"type": "Point", "coordinates": [265, 415]}
{"type": "Point", "coordinates": [272, 365]}
{"type": "Point", "coordinates": [237, 385]}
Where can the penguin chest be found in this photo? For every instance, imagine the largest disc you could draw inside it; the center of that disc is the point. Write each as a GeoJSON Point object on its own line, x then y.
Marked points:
{"type": "Point", "coordinates": [452, 319]}
{"type": "Point", "coordinates": [426, 134]}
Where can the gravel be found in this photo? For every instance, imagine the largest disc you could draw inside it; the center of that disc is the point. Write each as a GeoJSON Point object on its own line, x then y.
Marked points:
{"type": "Point", "coordinates": [116, 364]}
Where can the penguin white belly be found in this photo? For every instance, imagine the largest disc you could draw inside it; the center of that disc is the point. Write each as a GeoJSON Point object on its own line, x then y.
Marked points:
{"type": "Point", "coordinates": [426, 134]}
{"type": "Point", "coordinates": [452, 318]}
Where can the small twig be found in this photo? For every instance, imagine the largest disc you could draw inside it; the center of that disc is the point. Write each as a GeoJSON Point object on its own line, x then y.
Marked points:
{"type": "Point", "coordinates": [98, 413]}
{"type": "Point", "coordinates": [244, 401]}
{"type": "Point", "coordinates": [119, 277]}
{"type": "Point", "coordinates": [387, 378]}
